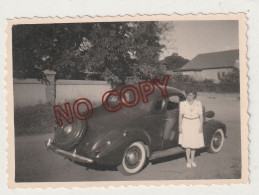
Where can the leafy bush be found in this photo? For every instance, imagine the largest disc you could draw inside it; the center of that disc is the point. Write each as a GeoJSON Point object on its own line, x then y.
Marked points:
{"type": "Point", "coordinates": [228, 82]}
{"type": "Point", "coordinates": [38, 119]}
{"type": "Point", "coordinates": [176, 78]}
{"type": "Point", "coordinates": [184, 82]}
{"type": "Point", "coordinates": [209, 85]}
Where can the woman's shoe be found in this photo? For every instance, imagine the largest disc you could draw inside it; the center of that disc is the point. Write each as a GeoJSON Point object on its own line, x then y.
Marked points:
{"type": "Point", "coordinates": [193, 164]}
{"type": "Point", "coordinates": [188, 165]}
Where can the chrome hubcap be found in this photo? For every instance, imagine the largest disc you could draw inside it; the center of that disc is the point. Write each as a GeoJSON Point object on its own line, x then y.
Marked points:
{"type": "Point", "coordinates": [133, 157]}
{"type": "Point", "coordinates": [67, 129]}
{"type": "Point", "coordinates": [217, 139]}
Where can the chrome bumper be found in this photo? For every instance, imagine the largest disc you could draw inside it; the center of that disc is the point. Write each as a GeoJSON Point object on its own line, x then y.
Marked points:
{"type": "Point", "coordinates": [69, 155]}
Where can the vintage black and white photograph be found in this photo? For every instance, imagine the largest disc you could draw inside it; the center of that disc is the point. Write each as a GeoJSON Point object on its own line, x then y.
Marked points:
{"type": "Point", "coordinates": [128, 100]}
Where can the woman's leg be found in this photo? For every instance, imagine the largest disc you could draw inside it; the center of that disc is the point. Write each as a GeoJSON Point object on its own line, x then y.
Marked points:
{"type": "Point", "coordinates": [188, 157]}
{"type": "Point", "coordinates": [192, 158]}
{"type": "Point", "coordinates": [188, 154]}
{"type": "Point", "coordinates": [192, 155]}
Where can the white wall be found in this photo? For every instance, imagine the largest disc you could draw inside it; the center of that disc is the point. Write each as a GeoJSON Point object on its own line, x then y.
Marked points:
{"type": "Point", "coordinates": [211, 74]}
{"type": "Point", "coordinates": [28, 92]}
{"type": "Point", "coordinates": [196, 75]}
{"type": "Point", "coordinates": [74, 89]}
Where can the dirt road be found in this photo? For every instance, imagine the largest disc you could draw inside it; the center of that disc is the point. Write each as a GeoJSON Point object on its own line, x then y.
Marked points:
{"type": "Point", "coordinates": [33, 163]}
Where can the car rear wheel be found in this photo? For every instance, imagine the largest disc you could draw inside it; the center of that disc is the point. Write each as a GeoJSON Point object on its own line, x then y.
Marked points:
{"type": "Point", "coordinates": [217, 141]}
{"type": "Point", "coordinates": [134, 159]}
{"type": "Point", "coordinates": [67, 136]}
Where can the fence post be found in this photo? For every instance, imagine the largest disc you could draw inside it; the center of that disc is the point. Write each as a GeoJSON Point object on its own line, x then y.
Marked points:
{"type": "Point", "coordinates": [51, 86]}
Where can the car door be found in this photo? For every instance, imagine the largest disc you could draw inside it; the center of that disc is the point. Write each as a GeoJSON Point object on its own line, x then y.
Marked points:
{"type": "Point", "coordinates": [171, 123]}
{"type": "Point", "coordinates": [154, 124]}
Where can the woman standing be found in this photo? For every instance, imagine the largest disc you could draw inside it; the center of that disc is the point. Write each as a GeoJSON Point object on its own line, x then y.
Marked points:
{"type": "Point", "coordinates": [191, 126]}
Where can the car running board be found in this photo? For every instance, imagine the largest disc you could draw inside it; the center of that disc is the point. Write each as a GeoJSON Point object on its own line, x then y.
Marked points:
{"type": "Point", "coordinates": [165, 153]}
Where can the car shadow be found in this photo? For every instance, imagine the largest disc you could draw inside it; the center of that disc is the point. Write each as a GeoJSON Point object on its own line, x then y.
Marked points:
{"type": "Point", "coordinates": [175, 157]}
{"type": "Point", "coordinates": [96, 167]}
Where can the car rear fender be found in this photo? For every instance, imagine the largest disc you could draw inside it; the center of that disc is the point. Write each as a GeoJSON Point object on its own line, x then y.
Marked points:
{"type": "Point", "coordinates": [113, 154]}
{"type": "Point", "coordinates": [210, 127]}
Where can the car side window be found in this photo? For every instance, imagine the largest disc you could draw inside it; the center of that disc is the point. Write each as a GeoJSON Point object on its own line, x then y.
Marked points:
{"type": "Point", "coordinates": [172, 105]}
{"type": "Point", "coordinates": [173, 102]}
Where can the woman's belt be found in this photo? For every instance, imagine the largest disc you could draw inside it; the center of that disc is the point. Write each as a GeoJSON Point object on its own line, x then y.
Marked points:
{"type": "Point", "coordinates": [191, 118]}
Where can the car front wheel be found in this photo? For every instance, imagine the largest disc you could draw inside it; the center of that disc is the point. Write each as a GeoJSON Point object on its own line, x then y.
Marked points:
{"type": "Point", "coordinates": [134, 159]}
{"type": "Point", "coordinates": [217, 141]}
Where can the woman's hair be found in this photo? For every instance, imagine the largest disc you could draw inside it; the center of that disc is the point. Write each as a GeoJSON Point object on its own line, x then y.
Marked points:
{"type": "Point", "coordinates": [193, 91]}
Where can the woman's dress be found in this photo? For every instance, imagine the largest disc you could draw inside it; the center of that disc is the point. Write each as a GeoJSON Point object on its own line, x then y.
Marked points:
{"type": "Point", "coordinates": [191, 136]}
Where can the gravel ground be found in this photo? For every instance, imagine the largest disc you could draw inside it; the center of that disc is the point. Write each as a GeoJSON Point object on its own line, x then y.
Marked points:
{"type": "Point", "coordinates": [33, 163]}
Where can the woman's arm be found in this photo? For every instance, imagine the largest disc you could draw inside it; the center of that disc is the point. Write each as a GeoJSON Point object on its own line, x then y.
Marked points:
{"type": "Point", "coordinates": [201, 125]}
{"type": "Point", "coordinates": [180, 117]}
{"type": "Point", "coordinates": [201, 117]}
{"type": "Point", "coordinates": [180, 123]}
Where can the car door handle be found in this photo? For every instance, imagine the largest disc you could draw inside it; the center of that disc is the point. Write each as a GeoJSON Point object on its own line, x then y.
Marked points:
{"type": "Point", "coordinates": [167, 119]}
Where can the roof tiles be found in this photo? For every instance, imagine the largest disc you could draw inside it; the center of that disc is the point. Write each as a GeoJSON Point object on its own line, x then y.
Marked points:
{"type": "Point", "coordinates": [223, 59]}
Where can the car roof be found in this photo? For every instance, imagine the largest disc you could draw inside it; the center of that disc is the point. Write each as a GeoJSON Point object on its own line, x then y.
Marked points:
{"type": "Point", "coordinates": [170, 90]}
{"type": "Point", "coordinates": [154, 97]}
{"type": "Point", "coordinates": [174, 90]}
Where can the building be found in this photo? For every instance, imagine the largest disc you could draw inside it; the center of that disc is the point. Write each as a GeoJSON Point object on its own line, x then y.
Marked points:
{"type": "Point", "coordinates": [210, 65]}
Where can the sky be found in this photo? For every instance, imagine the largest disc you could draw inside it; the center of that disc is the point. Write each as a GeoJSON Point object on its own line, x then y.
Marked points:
{"type": "Point", "coordinates": [190, 38]}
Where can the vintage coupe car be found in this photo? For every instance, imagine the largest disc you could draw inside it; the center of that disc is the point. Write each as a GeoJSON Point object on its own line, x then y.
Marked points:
{"type": "Point", "coordinates": [131, 137]}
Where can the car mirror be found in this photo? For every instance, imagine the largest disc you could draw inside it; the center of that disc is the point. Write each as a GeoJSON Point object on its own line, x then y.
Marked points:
{"type": "Point", "coordinates": [209, 114]}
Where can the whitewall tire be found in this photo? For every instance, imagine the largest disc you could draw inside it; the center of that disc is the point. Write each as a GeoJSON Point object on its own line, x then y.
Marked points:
{"type": "Point", "coordinates": [217, 141]}
{"type": "Point", "coordinates": [134, 159]}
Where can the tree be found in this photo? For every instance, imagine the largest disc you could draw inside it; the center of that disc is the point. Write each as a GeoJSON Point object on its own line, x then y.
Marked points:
{"type": "Point", "coordinates": [230, 81]}
{"type": "Point", "coordinates": [121, 52]}
{"type": "Point", "coordinates": [174, 62]}
{"type": "Point", "coordinates": [47, 46]}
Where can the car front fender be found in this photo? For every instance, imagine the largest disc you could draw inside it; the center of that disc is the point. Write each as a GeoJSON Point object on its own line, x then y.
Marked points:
{"type": "Point", "coordinates": [210, 127]}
